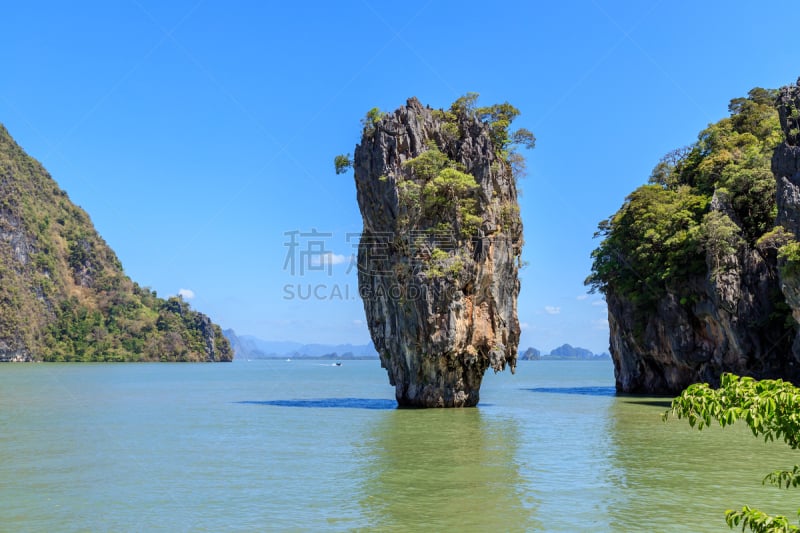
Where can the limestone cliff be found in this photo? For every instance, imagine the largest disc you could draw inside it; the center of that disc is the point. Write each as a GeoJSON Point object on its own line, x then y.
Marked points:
{"type": "Point", "coordinates": [689, 265]}
{"type": "Point", "coordinates": [439, 252]}
{"type": "Point", "coordinates": [63, 293]}
{"type": "Point", "coordinates": [735, 323]}
{"type": "Point", "coordinates": [786, 168]}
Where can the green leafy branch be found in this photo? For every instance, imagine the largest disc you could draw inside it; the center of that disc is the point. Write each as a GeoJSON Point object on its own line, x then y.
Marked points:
{"type": "Point", "coordinates": [770, 408]}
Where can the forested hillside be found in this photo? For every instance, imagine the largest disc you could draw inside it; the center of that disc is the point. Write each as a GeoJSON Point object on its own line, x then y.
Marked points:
{"type": "Point", "coordinates": [63, 293]}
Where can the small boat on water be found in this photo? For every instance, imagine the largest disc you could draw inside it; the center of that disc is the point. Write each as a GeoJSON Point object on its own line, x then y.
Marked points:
{"type": "Point", "coordinates": [338, 363]}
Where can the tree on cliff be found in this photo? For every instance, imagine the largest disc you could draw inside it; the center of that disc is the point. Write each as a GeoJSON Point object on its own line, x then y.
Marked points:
{"type": "Point", "coordinates": [497, 116]}
{"type": "Point", "coordinates": [660, 235]}
{"type": "Point", "coordinates": [770, 408]}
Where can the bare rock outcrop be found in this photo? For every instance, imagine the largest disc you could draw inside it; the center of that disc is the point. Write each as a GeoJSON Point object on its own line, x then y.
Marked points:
{"type": "Point", "coordinates": [730, 327]}
{"type": "Point", "coordinates": [786, 168]}
{"type": "Point", "coordinates": [439, 252]}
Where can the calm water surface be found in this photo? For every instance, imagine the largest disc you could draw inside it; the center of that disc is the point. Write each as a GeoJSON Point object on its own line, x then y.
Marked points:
{"type": "Point", "coordinates": [305, 446]}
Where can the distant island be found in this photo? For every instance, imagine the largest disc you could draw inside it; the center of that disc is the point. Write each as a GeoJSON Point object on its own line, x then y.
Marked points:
{"type": "Point", "coordinates": [565, 352]}
{"type": "Point", "coordinates": [250, 347]}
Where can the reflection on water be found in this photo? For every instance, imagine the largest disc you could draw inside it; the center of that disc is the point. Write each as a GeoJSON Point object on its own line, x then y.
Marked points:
{"type": "Point", "coordinates": [567, 451]}
{"type": "Point", "coordinates": [304, 447]}
{"type": "Point", "coordinates": [444, 470]}
{"type": "Point", "coordinates": [670, 477]}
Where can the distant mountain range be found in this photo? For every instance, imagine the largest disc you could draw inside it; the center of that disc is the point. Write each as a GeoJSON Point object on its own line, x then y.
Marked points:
{"type": "Point", "coordinates": [565, 351]}
{"type": "Point", "coordinates": [250, 347]}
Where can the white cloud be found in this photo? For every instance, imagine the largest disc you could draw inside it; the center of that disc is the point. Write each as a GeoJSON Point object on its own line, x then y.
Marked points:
{"type": "Point", "coordinates": [524, 325]}
{"type": "Point", "coordinates": [601, 324]}
{"type": "Point", "coordinates": [186, 294]}
{"type": "Point", "coordinates": [582, 297]}
{"type": "Point", "coordinates": [337, 259]}
{"type": "Point", "coordinates": [599, 303]}
{"type": "Point", "coordinates": [358, 322]}
{"type": "Point", "coordinates": [326, 259]}
{"type": "Point", "coordinates": [552, 310]}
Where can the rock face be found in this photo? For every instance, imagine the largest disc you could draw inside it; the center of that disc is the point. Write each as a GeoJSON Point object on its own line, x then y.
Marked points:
{"type": "Point", "coordinates": [439, 252]}
{"type": "Point", "coordinates": [63, 293]}
{"type": "Point", "coordinates": [786, 168]}
{"type": "Point", "coordinates": [730, 328]}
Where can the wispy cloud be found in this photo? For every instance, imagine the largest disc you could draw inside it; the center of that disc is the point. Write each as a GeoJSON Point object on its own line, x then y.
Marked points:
{"type": "Point", "coordinates": [524, 326]}
{"type": "Point", "coordinates": [582, 297]}
{"type": "Point", "coordinates": [186, 294]}
{"type": "Point", "coordinates": [599, 303]}
{"type": "Point", "coordinates": [330, 258]}
{"type": "Point", "coordinates": [338, 259]}
{"type": "Point", "coordinates": [552, 310]}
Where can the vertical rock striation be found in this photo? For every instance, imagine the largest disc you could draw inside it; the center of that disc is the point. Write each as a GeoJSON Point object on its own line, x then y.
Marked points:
{"type": "Point", "coordinates": [786, 168]}
{"type": "Point", "coordinates": [439, 252]}
{"type": "Point", "coordinates": [729, 327]}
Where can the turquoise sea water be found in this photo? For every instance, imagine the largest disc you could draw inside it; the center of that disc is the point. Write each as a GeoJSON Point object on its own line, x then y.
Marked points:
{"type": "Point", "coordinates": [306, 446]}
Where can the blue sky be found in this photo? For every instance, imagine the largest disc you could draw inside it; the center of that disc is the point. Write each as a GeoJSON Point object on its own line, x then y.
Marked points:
{"type": "Point", "coordinates": [197, 134]}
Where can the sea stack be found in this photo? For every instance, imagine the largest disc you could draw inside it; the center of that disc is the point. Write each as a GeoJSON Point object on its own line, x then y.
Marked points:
{"type": "Point", "coordinates": [440, 249]}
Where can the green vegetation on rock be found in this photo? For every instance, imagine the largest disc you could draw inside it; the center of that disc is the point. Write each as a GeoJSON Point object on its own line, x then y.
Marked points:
{"type": "Point", "coordinates": [342, 162]}
{"type": "Point", "coordinates": [441, 192]}
{"type": "Point", "coordinates": [705, 200]}
{"type": "Point", "coordinates": [63, 293]}
{"type": "Point", "coordinates": [436, 194]}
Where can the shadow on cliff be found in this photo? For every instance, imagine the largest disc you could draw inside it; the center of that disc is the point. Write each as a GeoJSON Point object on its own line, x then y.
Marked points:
{"type": "Point", "coordinates": [330, 403]}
